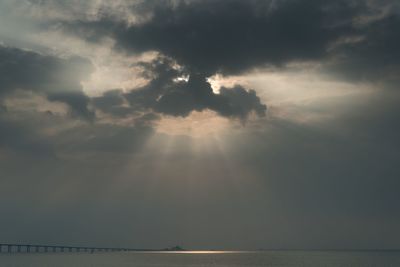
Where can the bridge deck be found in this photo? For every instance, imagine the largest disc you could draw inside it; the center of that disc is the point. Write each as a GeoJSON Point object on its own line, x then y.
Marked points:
{"type": "Point", "coordinates": [32, 248]}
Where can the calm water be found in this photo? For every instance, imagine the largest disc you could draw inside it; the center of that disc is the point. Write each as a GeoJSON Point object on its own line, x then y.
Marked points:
{"type": "Point", "coordinates": [269, 259]}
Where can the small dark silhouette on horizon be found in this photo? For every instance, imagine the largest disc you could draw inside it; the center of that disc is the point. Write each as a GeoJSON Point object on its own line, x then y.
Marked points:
{"type": "Point", "coordinates": [176, 248]}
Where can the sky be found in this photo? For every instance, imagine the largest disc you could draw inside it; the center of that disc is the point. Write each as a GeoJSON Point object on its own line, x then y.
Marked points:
{"type": "Point", "coordinates": [209, 124]}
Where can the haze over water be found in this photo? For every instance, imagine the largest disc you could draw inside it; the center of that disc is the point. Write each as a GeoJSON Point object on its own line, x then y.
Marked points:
{"type": "Point", "coordinates": [207, 259]}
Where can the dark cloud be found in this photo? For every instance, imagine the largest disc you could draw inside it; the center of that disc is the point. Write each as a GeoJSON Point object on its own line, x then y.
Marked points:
{"type": "Point", "coordinates": [232, 36]}
{"type": "Point", "coordinates": [167, 95]}
{"type": "Point", "coordinates": [375, 56]}
{"type": "Point", "coordinates": [240, 102]}
{"type": "Point", "coordinates": [197, 94]}
{"type": "Point", "coordinates": [229, 37]}
{"type": "Point", "coordinates": [58, 79]}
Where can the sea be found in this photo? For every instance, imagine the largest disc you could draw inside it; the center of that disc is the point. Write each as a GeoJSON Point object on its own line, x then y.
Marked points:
{"type": "Point", "coordinates": [206, 259]}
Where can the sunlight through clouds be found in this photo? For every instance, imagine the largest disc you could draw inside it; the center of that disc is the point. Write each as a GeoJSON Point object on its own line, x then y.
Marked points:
{"type": "Point", "coordinates": [208, 123]}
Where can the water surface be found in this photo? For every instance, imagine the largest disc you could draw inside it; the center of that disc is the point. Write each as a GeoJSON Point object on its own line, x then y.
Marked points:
{"type": "Point", "coordinates": [216, 259]}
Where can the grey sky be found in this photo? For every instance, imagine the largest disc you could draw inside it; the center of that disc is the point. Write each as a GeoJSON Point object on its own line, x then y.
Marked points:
{"type": "Point", "coordinates": [208, 124]}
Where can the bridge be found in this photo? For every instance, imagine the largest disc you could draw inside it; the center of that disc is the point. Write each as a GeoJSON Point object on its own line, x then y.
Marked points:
{"type": "Point", "coordinates": [31, 248]}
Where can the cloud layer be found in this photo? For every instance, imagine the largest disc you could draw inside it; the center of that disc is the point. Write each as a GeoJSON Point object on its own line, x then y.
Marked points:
{"type": "Point", "coordinates": [318, 170]}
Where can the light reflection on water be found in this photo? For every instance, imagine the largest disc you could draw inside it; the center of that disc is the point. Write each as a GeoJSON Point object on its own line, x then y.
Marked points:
{"type": "Point", "coordinates": [205, 259]}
